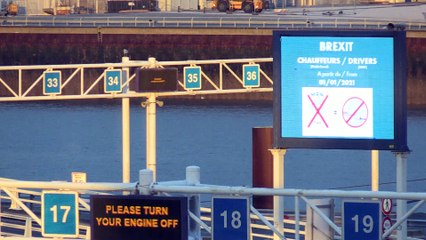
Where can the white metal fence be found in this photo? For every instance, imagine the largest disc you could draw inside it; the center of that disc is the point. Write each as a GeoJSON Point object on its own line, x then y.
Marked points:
{"type": "Point", "coordinates": [25, 83]}
{"type": "Point", "coordinates": [23, 200]}
{"type": "Point", "coordinates": [203, 22]}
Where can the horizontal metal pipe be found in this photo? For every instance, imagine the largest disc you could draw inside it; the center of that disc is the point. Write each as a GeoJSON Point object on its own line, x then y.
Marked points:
{"type": "Point", "coordinates": [100, 186]}
{"type": "Point", "coordinates": [212, 189]}
{"type": "Point", "coordinates": [133, 64]}
{"type": "Point", "coordinates": [133, 95]}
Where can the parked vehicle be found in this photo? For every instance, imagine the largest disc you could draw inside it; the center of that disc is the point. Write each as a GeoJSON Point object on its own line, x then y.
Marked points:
{"type": "Point", "coordinates": [115, 6]}
{"type": "Point", "coordinates": [10, 9]}
{"type": "Point", "coordinates": [248, 6]}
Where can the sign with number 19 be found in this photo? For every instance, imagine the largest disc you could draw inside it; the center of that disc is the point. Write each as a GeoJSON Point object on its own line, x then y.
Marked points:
{"type": "Point", "coordinates": [362, 220]}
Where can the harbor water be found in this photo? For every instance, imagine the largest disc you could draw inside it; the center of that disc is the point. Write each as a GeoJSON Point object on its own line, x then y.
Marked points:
{"type": "Point", "coordinates": [49, 140]}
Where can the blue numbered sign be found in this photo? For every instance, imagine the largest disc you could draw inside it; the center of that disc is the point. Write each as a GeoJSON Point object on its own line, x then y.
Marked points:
{"type": "Point", "coordinates": [231, 218]}
{"type": "Point", "coordinates": [362, 220]}
{"type": "Point", "coordinates": [112, 81]}
{"type": "Point", "coordinates": [251, 75]}
{"type": "Point", "coordinates": [59, 213]}
{"type": "Point", "coordinates": [52, 82]}
{"type": "Point", "coordinates": [192, 78]}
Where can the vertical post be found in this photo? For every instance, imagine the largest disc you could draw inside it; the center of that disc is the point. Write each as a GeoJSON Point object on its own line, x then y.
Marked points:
{"type": "Point", "coordinates": [126, 125]}
{"type": "Point", "coordinates": [401, 186]}
{"type": "Point", "coordinates": [151, 132]}
{"type": "Point", "coordinates": [28, 232]}
{"type": "Point", "coordinates": [262, 166]}
{"type": "Point", "coordinates": [296, 218]}
{"type": "Point", "coordinates": [374, 170]}
{"type": "Point", "coordinates": [278, 158]}
{"type": "Point", "coordinates": [146, 178]}
{"type": "Point", "coordinates": [14, 204]}
{"type": "Point", "coordinates": [53, 3]}
{"type": "Point", "coordinates": [192, 179]}
{"type": "Point", "coordinates": [220, 76]}
{"type": "Point", "coordinates": [81, 81]}
{"type": "Point", "coordinates": [193, 175]}
{"type": "Point", "coordinates": [168, 5]}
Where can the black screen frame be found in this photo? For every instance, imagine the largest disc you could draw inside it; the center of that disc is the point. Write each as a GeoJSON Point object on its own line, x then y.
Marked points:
{"type": "Point", "coordinates": [397, 144]}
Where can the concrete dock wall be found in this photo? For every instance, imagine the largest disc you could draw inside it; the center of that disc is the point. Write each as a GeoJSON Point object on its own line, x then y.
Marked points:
{"type": "Point", "coordinates": [38, 46]}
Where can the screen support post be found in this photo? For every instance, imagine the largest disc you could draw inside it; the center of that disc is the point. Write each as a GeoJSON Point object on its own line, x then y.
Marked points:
{"type": "Point", "coordinates": [374, 170]}
{"type": "Point", "coordinates": [401, 186]}
{"type": "Point", "coordinates": [278, 179]}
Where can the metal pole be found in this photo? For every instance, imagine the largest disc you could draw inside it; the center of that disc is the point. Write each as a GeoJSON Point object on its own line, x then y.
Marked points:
{"type": "Point", "coordinates": [126, 126]}
{"type": "Point", "coordinates": [374, 170]}
{"type": "Point", "coordinates": [296, 218]}
{"type": "Point", "coordinates": [278, 158]}
{"type": "Point", "coordinates": [151, 147]}
{"type": "Point", "coordinates": [53, 2]}
{"type": "Point", "coordinates": [146, 179]}
{"type": "Point", "coordinates": [126, 139]}
{"type": "Point", "coordinates": [401, 186]}
{"type": "Point", "coordinates": [192, 179]}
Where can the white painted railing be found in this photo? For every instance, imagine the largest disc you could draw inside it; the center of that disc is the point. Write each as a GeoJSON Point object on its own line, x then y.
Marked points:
{"type": "Point", "coordinates": [204, 22]}
{"type": "Point", "coordinates": [14, 192]}
{"type": "Point", "coordinates": [25, 83]}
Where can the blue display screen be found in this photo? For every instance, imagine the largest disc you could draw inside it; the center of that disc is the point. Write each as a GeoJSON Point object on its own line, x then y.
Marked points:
{"type": "Point", "coordinates": [337, 87]}
{"type": "Point", "coordinates": [333, 86]}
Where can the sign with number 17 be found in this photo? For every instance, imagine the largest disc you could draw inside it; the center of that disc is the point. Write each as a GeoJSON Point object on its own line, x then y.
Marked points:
{"type": "Point", "coordinates": [59, 213]}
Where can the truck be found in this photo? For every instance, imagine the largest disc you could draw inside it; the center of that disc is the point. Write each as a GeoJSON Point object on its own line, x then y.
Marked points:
{"type": "Point", "coordinates": [10, 9]}
{"type": "Point", "coordinates": [116, 6]}
{"type": "Point", "coordinates": [248, 6]}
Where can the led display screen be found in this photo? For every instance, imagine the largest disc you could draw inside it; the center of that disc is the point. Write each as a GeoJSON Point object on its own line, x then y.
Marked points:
{"type": "Point", "coordinates": [136, 217]}
{"type": "Point", "coordinates": [340, 89]}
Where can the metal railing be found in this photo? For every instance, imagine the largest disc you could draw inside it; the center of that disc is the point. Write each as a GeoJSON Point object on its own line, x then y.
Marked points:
{"type": "Point", "coordinates": [86, 81]}
{"type": "Point", "coordinates": [207, 22]}
{"type": "Point", "coordinates": [18, 223]}
{"type": "Point", "coordinates": [17, 193]}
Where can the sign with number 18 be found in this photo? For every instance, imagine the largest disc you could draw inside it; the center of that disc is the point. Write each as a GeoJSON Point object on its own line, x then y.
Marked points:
{"type": "Point", "coordinates": [231, 219]}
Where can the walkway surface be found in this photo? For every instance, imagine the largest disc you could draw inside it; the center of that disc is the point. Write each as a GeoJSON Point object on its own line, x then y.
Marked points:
{"type": "Point", "coordinates": [414, 12]}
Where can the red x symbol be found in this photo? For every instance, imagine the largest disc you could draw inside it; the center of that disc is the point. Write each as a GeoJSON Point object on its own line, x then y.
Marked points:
{"type": "Point", "coordinates": [318, 111]}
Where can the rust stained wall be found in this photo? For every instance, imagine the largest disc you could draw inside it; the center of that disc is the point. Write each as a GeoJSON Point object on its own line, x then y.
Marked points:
{"type": "Point", "coordinates": [35, 49]}
{"type": "Point", "coordinates": [31, 49]}
{"type": "Point", "coordinates": [416, 48]}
